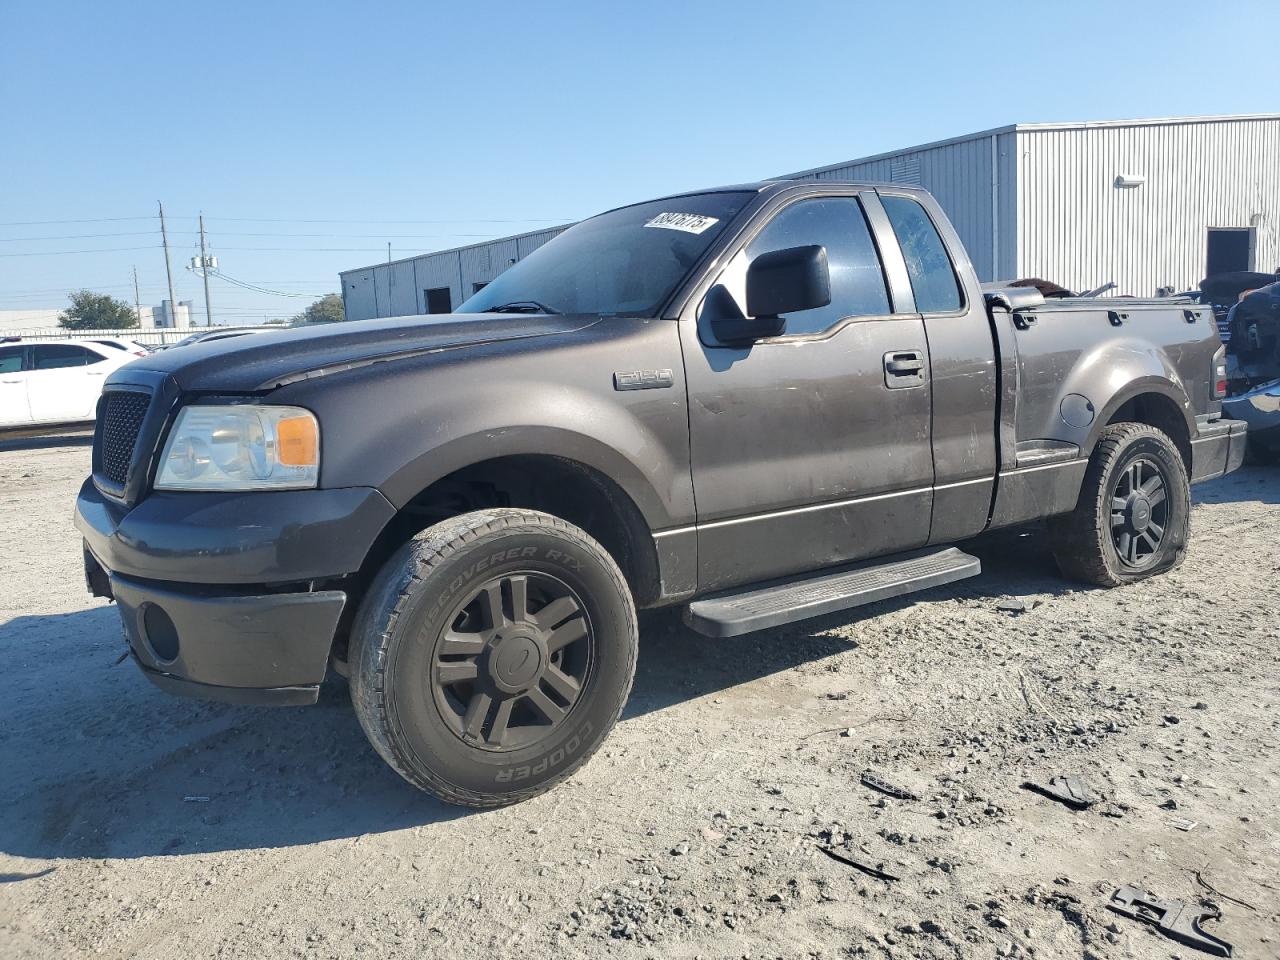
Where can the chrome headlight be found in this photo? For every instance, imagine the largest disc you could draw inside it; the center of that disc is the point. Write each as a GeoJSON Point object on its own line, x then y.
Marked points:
{"type": "Point", "coordinates": [241, 447]}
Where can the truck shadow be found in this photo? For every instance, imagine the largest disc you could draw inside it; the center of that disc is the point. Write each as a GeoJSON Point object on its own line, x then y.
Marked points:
{"type": "Point", "coordinates": [1256, 483]}
{"type": "Point", "coordinates": [100, 764]}
{"type": "Point", "coordinates": [677, 664]}
{"type": "Point", "coordinates": [12, 441]}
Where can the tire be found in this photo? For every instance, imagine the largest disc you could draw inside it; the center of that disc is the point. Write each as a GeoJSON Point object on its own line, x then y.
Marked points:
{"type": "Point", "coordinates": [552, 647]}
{"type": "Point", "coordinates": [1090, 543]}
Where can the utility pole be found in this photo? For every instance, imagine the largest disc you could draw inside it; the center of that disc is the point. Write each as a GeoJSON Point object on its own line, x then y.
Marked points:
{"type": "Point", "coordinates": [168, 270]}
{"type": "Point", "coordinates": [204, 272]}
{"type": "Point", "coordinates": [388, 251]}
{"type": "Point", "coordinates": [137, 300]}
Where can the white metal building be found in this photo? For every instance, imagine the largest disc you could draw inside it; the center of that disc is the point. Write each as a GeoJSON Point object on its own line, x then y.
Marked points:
{"type": "Point", "coordinates": [162, 317]}
{"type": "Point", "coordinates": [1146, 204]}
{"type": "Point", "coordinates": [433, 282]}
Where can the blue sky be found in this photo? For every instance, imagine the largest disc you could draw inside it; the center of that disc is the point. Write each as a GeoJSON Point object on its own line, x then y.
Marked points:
{"type": "Point", "coordinates": [475, 120]}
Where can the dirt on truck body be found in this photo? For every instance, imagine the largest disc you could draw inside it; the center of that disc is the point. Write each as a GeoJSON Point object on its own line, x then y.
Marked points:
{"type": "Point", "coordinates": [757, 404]}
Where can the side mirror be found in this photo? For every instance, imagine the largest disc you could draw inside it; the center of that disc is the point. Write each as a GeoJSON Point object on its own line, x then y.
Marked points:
{"type": "Point", "coordinates": [780, 282]}
{"type": "Point", "coordinates": [788, 281]}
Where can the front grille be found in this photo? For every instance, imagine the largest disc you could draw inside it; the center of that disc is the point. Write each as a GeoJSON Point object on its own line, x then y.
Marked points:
{"type": "Point", "coordinates": [119, 421]}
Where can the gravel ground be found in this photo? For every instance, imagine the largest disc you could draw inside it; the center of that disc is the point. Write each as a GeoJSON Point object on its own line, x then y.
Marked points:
{"type": "Point", "coordinates": [137, 825]}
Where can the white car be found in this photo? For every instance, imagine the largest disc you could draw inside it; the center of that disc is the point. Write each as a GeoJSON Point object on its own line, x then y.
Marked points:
{"type": "Point", "coordinates": [45, 382]}
{"type": "Point", "coordinates": [128, 346]}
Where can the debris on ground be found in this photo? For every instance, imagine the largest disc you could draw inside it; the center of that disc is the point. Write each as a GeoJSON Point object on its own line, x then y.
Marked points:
{"type": "Point", "coordinates": [1072, 791]}
{"type": "Point", "coordinates": [871, 870]}
{"type": "Point", "coordinates": [1174, 918]}
{"type": "Point", "coordinates": [884, 786]}
{"type": "Point", "coordinates": [1017, 606]}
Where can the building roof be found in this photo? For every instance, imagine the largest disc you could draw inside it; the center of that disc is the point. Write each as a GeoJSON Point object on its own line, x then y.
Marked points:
{"type": "Point", "coordinates": [469, 246]}
{"type": "Point", "coordinates": [1035, 127]}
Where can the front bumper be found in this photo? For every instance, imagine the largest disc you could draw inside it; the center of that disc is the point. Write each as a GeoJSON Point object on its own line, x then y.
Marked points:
{"type": "Point", "coordinates": [216, 592]}
{"type": "Point", "coordinates": [263, 649]}
{"type": "Point", "coordinates": [1218, 450]}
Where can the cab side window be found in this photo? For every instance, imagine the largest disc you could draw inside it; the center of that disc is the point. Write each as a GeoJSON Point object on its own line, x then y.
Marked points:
{"type": "Point", "coordinates": [933, 279]}
{"type": "Point", "coordinates": [857, 280]}
{"type": "Point", "coordinates": [10, 359]}
{"type": "Point", "coordinates": [54, 356]}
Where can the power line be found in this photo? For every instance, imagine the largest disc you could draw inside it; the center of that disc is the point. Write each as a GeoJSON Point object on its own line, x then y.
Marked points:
{"type": "Point", "coordinates": [79, 236]}
{"type": "Point", "coordinates": [455, 220]}
{"type": "Point", "coordinates": [257, 289]}
{"type": "Point", "coordinates": [237, 233]}
{"type": "Point", "coordinates": [64, 253]}
{"type": "Point", "coordinates": [41, 223]}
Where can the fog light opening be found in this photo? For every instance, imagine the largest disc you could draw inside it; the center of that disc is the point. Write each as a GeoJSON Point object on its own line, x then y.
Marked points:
{"type": "Point", "coordinates": [160, 633]}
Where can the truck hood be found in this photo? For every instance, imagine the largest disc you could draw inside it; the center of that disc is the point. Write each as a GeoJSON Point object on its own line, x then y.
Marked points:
{"type": "Point", "coordinates": [262, 361]}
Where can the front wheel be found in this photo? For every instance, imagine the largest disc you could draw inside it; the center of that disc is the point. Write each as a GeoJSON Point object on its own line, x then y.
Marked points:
{"type": "Point", "coordinates": [1132, 515]}
{"type": "Point", "coordinates": [492, 655]}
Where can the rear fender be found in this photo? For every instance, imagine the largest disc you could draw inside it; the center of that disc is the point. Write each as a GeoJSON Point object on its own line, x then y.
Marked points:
{"type": "Point", "coordinates": [1107, 376]}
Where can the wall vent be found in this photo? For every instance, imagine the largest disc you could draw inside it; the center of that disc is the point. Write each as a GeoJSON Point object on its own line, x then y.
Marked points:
{"type": "Point", "coordinates": [905, 170]}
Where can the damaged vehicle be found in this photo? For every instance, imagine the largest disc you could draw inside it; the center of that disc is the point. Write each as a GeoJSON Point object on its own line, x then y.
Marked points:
{"type": "Point", "coordinates": [758, 404]}
{"type": "Point", "coordinates": [1253, 369]}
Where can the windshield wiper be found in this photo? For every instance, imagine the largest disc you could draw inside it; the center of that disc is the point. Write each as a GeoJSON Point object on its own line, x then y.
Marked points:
{"type": "Point", "coordinates": [521, 306]}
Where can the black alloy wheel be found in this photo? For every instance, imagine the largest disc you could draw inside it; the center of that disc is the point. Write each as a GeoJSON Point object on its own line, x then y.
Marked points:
{"type": "Point", "coordinates": [509, 668]}
{"type": "Point", "coordinates": [1131, 518]}
{"type": "Point", "coordinates": [1139, 513]}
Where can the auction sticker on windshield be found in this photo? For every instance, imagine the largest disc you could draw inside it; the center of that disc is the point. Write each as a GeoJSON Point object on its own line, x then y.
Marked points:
{"type": "Point", "coordinates": [687, 222]}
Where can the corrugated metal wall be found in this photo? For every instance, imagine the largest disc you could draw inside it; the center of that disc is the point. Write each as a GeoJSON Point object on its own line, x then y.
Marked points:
{"type": "Point", "coordinates": [358, 294]}
{"type": "Point", "coordinates": [959, 175]}
{"type": "Point", "coordinates": [1078, 229]}
{"type": "Point", "coordinates": [399, 288]}
{"type": "Point", "coordinates": [1052, 209]}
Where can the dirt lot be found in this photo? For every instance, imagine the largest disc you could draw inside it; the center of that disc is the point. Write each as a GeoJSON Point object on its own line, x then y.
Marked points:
{"type": "Point", "coordinates": [136, 825]}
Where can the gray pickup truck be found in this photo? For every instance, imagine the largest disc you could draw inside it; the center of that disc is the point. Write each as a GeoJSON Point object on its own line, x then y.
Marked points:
{"type": "Point", "coordinates": [761, 402]}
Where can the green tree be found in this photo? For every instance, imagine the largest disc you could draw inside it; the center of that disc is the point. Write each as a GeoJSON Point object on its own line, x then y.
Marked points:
{"type": "Point", "coordinates": [96, 311]}
{"type": "Point", "coordinates": [328, 309]}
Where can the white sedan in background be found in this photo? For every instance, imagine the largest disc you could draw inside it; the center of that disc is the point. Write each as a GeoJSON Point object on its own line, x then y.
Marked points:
{"type": "Point", "coordinates": [47, 382]}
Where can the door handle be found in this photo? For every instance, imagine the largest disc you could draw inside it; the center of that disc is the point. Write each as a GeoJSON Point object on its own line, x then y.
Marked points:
{"type": "Point", "coordinates": [10, 381]}
{"type": "Point", "coordinates": [903, 369]}
{"type": "Point", "coordinates": [905, 363]}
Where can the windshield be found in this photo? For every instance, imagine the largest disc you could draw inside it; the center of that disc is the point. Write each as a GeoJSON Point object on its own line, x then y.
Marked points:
{"type": "Point", "coordinates": [627, 261]}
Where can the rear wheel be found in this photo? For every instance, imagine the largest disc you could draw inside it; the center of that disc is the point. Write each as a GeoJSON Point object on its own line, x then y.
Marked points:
{"type": "Point", "coordinates": [1131, 518]}
{"type": "Point", "coordinates": [492, 655]}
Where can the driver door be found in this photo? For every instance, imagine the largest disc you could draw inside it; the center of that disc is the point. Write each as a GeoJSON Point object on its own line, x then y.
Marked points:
{"type": "Point", "coordinates": [812, 448]}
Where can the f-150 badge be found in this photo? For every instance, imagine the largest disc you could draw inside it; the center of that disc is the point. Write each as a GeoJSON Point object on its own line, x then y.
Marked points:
{"type": "Point", "coordinates": [643, 379]}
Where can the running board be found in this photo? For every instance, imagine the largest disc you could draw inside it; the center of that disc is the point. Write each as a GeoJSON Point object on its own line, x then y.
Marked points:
{"type": "Point", "coordinates": [811, 595]}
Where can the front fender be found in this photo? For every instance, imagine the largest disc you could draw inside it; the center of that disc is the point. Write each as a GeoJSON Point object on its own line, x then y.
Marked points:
{"type": "Point", "coordinates": [404, 425]}
{"type": "Point", "coordinates": [548, 440]}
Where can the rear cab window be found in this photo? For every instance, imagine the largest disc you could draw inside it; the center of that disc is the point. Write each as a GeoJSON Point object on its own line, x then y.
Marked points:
{"type": "Point", "coordinates": [933, 278]}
